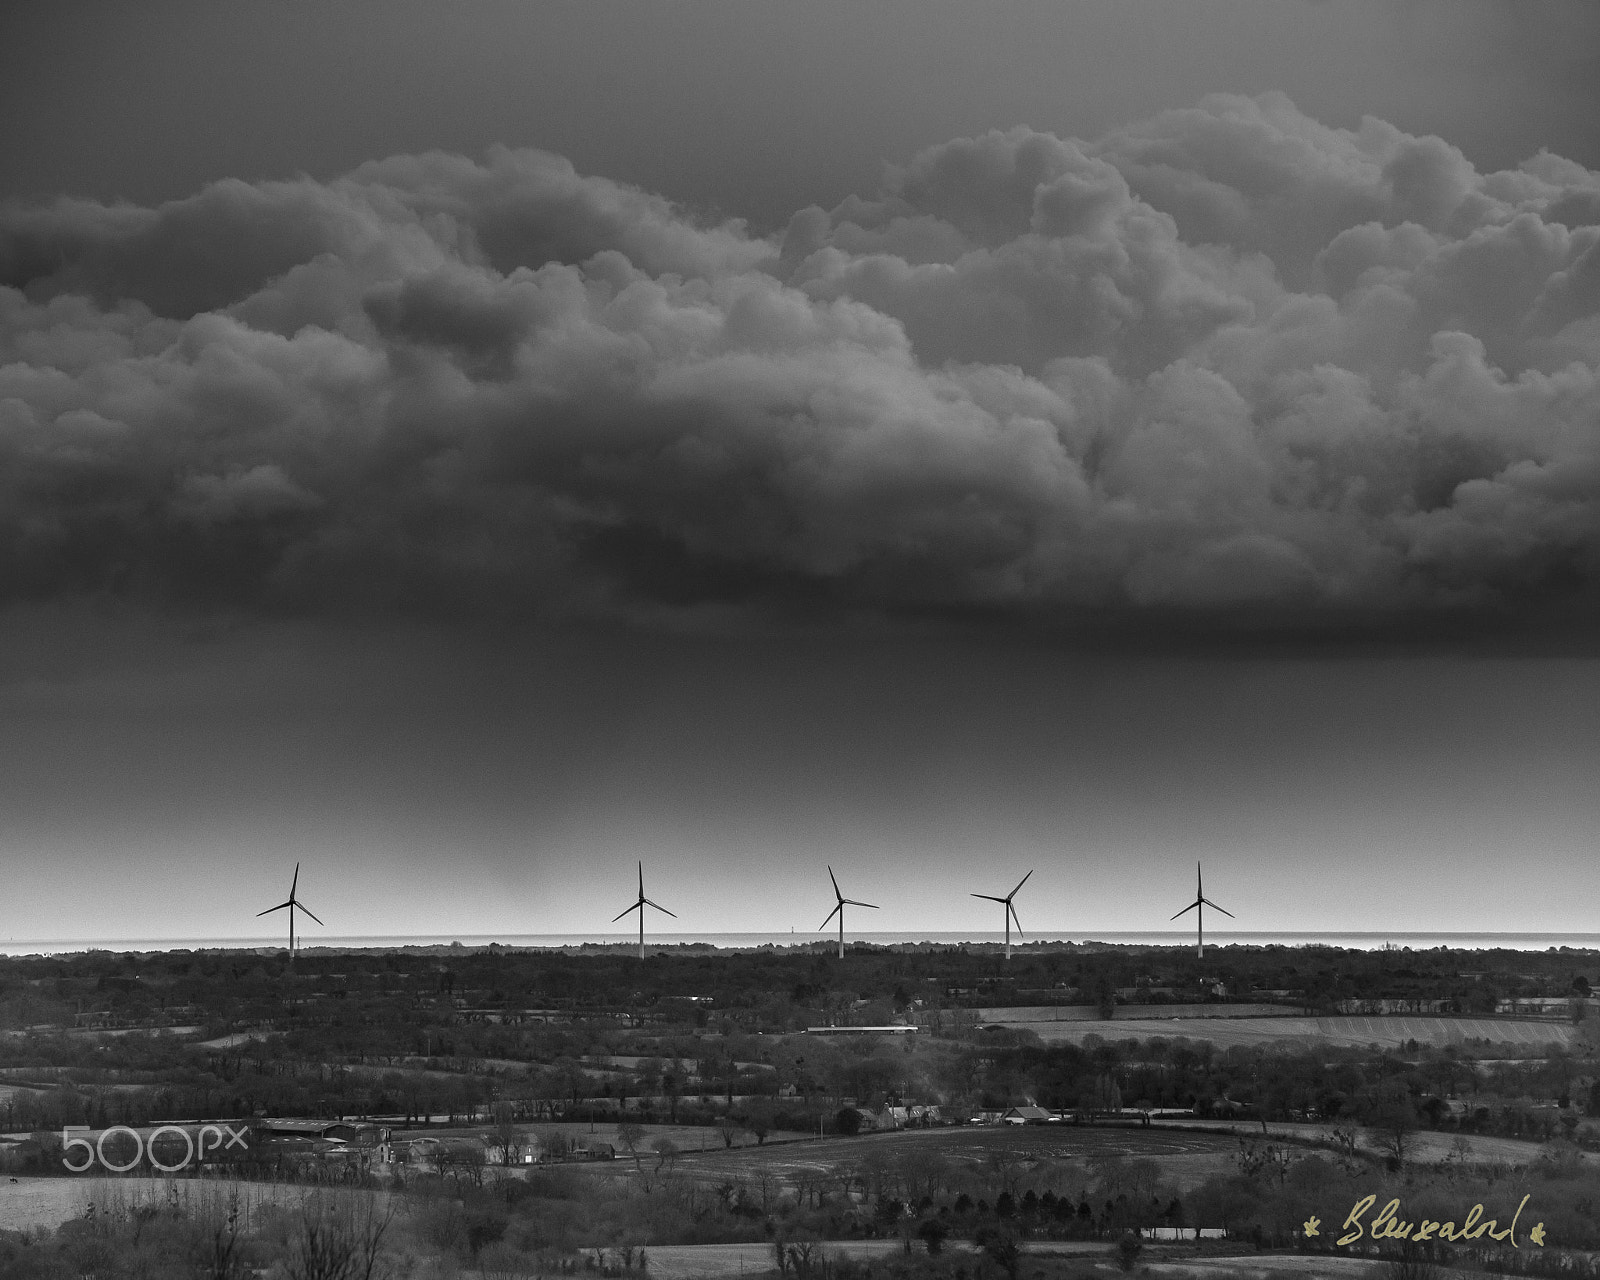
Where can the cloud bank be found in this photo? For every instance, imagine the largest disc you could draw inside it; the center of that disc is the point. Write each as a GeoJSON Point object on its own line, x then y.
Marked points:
{"type": "Point", "coordinates": [1225, 367]}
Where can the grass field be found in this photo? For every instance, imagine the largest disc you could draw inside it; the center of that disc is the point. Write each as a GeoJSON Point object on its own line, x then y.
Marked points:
{"type": "Point", "coordinates": [48, 1202]}
{"type": "Point", "coordinates": [1389, 1032]}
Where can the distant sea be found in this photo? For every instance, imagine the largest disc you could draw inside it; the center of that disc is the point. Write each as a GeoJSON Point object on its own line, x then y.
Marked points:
{"type": "Point", "coordinates": [746, 941]}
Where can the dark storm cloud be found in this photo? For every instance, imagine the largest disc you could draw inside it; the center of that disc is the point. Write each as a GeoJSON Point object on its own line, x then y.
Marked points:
{"type": "Point", "coordinates": [1225, 365]}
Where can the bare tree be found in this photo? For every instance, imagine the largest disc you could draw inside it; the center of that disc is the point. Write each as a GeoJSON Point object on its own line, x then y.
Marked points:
{"type": "Point", "coordinates": [767, 1186]}
{"type": "Point", "coordinates": [808, 1184]}
{"type": "Point", "coordinates": [463, 1160]}
{"type": "Point", "coordinates": [339, 1238]}
{"type": "Point", "coordinates": [1392, 1122]}
{"type": "Point", "coordinates": [219, 1245]}
{"type": "Point", "coordinates": [507, 1138]}
{"type": "Point", "coordinates": [1347, 1145]}
{"type": "Point", "coordinates": [630, 1135]}
{"type": "Point", "coordinates": [1261, 1160]}
{"type": "Point", "coordinates": [1008, 1165]}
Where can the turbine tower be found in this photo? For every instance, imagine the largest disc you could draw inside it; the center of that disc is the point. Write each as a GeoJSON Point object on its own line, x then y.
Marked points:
{"type": "Point", "coordinates": [1010, 911]}
{"type": "Point", "coordinates": [639, 906]}
{"type": "Point", "coordinates": [1198, 906]}
{"type": "Point", "coordinates": [838, 910]}
{"type": "Point", "coordinates": [291, 904]}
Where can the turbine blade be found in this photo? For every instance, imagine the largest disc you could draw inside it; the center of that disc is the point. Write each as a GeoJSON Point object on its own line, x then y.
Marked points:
{"type": "Point", "coordinates": [854, 903]}
{"type": "Point", "coordinates": [836, 892]}
{"type": "Point", "coordinates": [838, 907]}
{"type": "Point", "coordinates": [295, 883]}
{"type": "Point", "coordinates": [270, 910]}
{"type": "Point", "coordinates": [1020, 883]}
{"type": "Point", "coordinates": [1016, 919]}
{"type": "Point", "coordinates": [307, 910]}
{"type": "Point", "coordinates": [659, 907]}
{"type": "Point", "coordinates": [641, 882]}
{"type": "Point", "coordinates": [620, 914]}
{"type": "Point", "coordinates": [1214, 907]}
{"type": "Point", "coordinates": [988, 896]}
{"type": "Point", "coordinates": [1187, 909]}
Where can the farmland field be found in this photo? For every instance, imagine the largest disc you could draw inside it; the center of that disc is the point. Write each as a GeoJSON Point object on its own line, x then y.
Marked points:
{"type": "Point", "coordinates": [689, 1139]}
{"type": "Point", "coordinates": [1186, 1158]}
{"type": "Point", "coordinates": [1268, 1267]}
{"type": "Point", "coordinates": [716, 1261]}
{"type": "Point", "coordinates": [1091, 1013]}
{"type": "Point", "coordinates": [1389, 1032]}
{"type": "Point", "coordinates": [1425, 1147]}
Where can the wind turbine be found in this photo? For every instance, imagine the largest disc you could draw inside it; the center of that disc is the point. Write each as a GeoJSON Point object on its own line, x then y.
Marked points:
{"type": "Point", "coordinates": [291, 904]}
{"type": "Point", "coordinates": [1011, 911]}
{"type": "Point", "coordinates": [838, 909]}
{"type": "Point", "coordinates": [639, 906]}
{"type": "Point", "coordinates": [1200, 918]}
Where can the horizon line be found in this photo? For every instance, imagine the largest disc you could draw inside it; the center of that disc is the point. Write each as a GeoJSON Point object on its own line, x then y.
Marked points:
{"type": "Point", "coordinates": [770, 937]}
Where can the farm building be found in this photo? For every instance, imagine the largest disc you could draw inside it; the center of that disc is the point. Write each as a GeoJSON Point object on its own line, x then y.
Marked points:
{"type": "Point", "coordinates": [1028, 1114]}
{"type": "Point", "coordinates": [350, 1132]}
{"type": "Point", "coordinates": [1182, 1233]}
{"type": "Point", "coordinates": [896, 1030]}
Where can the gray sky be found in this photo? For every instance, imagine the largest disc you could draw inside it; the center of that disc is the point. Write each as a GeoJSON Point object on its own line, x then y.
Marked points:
{"type": "Point", "coordinates": [162, 786]}
{"type": "Point", "coordinates": [756, 109]}
{"type": "Point", "coordinates": [469, 449]}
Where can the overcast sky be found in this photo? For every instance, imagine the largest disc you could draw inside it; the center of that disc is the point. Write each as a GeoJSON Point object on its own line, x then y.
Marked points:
{"type": "Point", "coordinates": [471, 448]}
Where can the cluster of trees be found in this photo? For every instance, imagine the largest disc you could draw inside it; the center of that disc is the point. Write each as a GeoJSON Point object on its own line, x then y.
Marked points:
{"type": "Point", "coordinates": [402, 1035]}
{"type": "Point", "coordinates": [1288, 1081]}
{"type": "Point", "coordinates": [767, 1083]}
{"type": "Point", "coordinates": [769, 989]}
